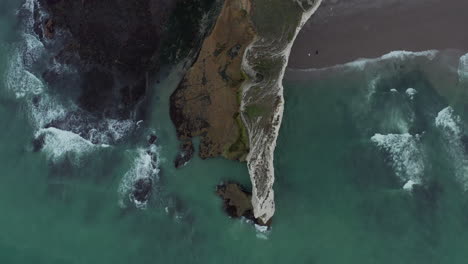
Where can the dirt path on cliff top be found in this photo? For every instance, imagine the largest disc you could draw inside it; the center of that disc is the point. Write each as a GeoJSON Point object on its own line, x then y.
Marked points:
{"type": "Point", "coordinates": [343, 31]}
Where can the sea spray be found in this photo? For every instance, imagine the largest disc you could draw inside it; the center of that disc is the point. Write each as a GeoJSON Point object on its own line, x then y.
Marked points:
{"type": "Point", "coordinates": [59, 124]}
{"type": "Point", "coordinates": [138, 183]}
{"type": "Point", "coordinates": [449, 124]}
{"type": "Point", "coordinates": [406, 156]}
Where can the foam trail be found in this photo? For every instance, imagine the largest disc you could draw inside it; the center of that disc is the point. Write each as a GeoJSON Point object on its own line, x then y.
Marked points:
{"type": "Point", "coordinates": [145, 169]}
{"type": "Point", "coordinates": [463, 68]}
{"type": "Point", "coordinates": [450, 125]}
{"type": "Point", "coordinates": [406, 156]}
{"type": "Point", "coordinates": [58, 144]}
{"type": "Point", "coordinates": [363, 63]}
{"type": "Point", "coordinates": [449, 122]}
{"type": "Point", "coordinates": [411, 92]}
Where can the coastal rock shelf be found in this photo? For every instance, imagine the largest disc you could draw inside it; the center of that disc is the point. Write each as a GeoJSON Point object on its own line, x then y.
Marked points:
{"type": "Point", "coordinates": [232, 97]}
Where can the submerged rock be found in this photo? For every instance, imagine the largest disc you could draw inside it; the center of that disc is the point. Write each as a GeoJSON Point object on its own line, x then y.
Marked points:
{"type": "Point", "coordinates": [38, 143]}
{"type": "Point", "coordinates": [152, 139]}
{"type": "Point", "coordinates": [142, 190]}
{"type": "Point", "coordinates": [142, 179]}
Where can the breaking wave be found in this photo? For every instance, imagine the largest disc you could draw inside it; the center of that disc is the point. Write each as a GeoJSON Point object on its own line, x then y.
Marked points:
{"type": "Point", "coordinates": [411, 92]}
{"type": "Point", "coordinates": [137, 184]}
{"type": "Point", "coordinates": [406, 156]}
{"type": "Point", "coordinates": [61, 126]}
{"type": "Point", "coordinates": [58, 144]}
{"type": "Point", "coordinates": [450, 125]}
{"type": "Point", "coordinates": [463, 68]}
{"type": "Point", "coordinates": [363, 63]}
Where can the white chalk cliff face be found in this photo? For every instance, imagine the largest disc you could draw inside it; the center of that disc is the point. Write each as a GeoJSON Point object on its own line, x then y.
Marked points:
{"type": "Point", "coordinates": [262, 103]}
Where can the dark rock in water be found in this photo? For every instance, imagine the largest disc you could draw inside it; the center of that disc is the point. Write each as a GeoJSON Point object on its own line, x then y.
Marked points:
{"type": "Point", "coordinates": [152, 139]}
{"type": "Point", "coordinates": [185, 154]}
{"type": "Point", "coordinates": [38, 143]}
{"type": "Point", "coordinates": [237, 202]}
{"type": "Point", "coordinates": [96, 88]}
{"type": "Point", "coordinates": [464, 140]}
{"type": "Point", "coordinates": [142, 189]}
{"type": "Point", "coordinates": [49, 28]}
{"type": "Point", "coordinates": [36, 100]}
{"type": "Point", "coordinates": [428, 195]}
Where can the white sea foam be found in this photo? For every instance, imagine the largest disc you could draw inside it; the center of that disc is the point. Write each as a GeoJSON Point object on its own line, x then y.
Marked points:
{"type": "Point", "coordinates": [59, 144]}
{"type": "Point", "coordinates": [26, 12]}
{"type": "Point", "coordinates": [145, 165]}
{"type": "Point", "coordinates": [45, 110]}
{"type": "Point", "coordinates": [398, 55]}
{"type": "Point", "coordinates": [449, 122]}
{"type": "Point", "coordinates": [32, 49]}
{"type": "Point", "coordinates": [409, 185]}
{"type": "Point", "coordinates": [463, 68]}
{"type": "Point", "coordinates": [450, 125]}
{"type": "Point", "coordinates": [411, 92]}
{"type": "Point", "coordinates": [406, 156]}
{"type": "Point", "coordinates": [20, 81]}
{"type": "Point", "coordinates": [372, 87]}
{"type": "Point", "coordinates": [119, 128]}
{"type": "Point", "coordinates": [362, 63]}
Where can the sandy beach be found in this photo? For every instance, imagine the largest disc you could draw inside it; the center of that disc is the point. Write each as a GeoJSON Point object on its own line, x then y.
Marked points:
{"type": "Point", "coordinates": [343, 31]}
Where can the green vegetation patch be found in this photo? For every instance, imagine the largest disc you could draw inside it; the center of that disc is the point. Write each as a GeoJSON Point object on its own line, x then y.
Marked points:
{"type": "Point", "coordinates": [240, 148]}
{"type": "Point", "coordinates": [253, 111]}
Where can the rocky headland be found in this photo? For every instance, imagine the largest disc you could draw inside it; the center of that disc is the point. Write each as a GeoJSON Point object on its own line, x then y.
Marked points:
{"type": "Point", "coordinates": [232, 97]}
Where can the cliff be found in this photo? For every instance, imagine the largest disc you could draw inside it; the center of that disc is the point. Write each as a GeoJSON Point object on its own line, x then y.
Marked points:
{"type": "Point", "coordinates": [265, 61]}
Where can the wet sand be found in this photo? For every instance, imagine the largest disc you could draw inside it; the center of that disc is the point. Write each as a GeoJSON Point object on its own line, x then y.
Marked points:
{"type": "Point", "coordinates": [345, 30]}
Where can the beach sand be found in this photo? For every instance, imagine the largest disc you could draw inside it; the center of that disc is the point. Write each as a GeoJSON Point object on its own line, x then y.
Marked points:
{"type": "Point", "coordinates": [345, 30]}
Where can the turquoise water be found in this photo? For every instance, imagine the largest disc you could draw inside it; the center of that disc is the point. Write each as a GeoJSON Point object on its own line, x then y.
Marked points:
{"type": "Point", "coordinates": [339, 192]}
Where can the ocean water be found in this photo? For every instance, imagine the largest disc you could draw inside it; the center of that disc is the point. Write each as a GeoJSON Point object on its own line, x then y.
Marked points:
{"type": "Point", "coordinates": [371, 166]}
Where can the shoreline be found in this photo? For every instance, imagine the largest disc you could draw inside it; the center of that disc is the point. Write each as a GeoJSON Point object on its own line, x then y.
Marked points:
{"type": "Point", "coordinates": [342, 32]}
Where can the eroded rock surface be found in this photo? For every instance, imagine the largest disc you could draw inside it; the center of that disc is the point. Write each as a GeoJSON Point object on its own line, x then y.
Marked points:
{"type": "Point", "coordinates": [237, 202]}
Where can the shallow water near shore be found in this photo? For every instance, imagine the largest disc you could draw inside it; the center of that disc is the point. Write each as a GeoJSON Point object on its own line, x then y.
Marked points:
{"type": "Point", "coordinates": [339, 186]}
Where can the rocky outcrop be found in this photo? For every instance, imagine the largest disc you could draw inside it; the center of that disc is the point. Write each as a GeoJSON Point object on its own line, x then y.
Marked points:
{"type": "Point", "coordinates": [236, 104]}
{"type": "Point", "coordinates": [185, 154]}
{"type": "Point", "coordinates": [237, 202]}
